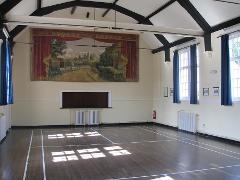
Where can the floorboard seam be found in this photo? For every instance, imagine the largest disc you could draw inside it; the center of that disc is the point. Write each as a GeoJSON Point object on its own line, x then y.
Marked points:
{"type": "Point", "coordinates": [26, 164]}
{"type": "Point", "coordinates": [234, 157]}
{"type": "Point", "coordinates": [182, 172]}
{"type": "Point", "coordinates": [199, 142]}
{"type": "Point", "coordinates": [104, 136]}
{"type": "Point", "coordinates": [43, 159]}
{"type": "Point", "coordinates": [124, 143]}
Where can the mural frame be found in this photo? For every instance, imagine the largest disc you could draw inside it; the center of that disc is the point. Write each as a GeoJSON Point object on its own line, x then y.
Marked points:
{"type": "Point", "coordinates": [84, 56]}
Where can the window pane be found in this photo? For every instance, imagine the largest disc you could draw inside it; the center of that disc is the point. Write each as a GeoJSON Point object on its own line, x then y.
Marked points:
{"type": "Point", "coordinates": [184, 74]}
{"type": "Point", "coordinates": [184, 69]}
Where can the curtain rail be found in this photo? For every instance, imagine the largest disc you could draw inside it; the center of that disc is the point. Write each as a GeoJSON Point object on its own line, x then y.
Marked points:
{"type": "Point", "coordinates": [229, 33]}
{"type": "Point", "coordinates": [185, 47]}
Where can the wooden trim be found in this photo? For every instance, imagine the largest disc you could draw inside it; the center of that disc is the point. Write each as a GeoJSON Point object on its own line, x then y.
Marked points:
{"type": "Point", "coordinates": [73, 126]}
{"type": "Point", "coordinates": [230, 141]}
{"type": "Point", "coordinates": [39, 4]}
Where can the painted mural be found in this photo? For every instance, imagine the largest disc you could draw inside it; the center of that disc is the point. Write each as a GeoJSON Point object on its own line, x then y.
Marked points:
{"type": "Point", "coordinates": [61, 55]}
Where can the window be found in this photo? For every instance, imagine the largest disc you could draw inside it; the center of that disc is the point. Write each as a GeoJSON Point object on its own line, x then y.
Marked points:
{"type": "Point", "coordinates": [185, 74]}
{"type": "Point", "coordinates": [234, 52]}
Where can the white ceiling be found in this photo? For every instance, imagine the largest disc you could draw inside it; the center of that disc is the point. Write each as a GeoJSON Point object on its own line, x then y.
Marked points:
{"type": "Point", "coordinates": [172, 38]}
{"type": "Point", "coordinates": [215, 12]}
{"type": "Point", "coordinates": [144, 7]}
{"type": "Point", "coordinates": [173, 16]}
{"type": "Point", "coordinates": [150, 40]}
{"type": "Point", "coordinates": [25, 7]}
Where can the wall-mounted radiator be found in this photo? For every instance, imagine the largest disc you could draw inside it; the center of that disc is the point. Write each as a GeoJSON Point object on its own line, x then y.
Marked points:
{"type": "Point", "coordinates": [187, 121]}
{"type": "Point", "coordinates": [93, 117]}
{"type": "Point", "coordinates": [2, 127]}
{"type": "Point", "coordinates": [80, 117]}
{"type": "Point", "coordinates": [87, 117]}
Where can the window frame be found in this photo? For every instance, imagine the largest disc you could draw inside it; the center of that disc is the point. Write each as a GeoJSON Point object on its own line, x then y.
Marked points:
{"type": "Point", "coordinates": [187, 50]}
{"type": "Point", "coordinates": [231, 37]}
{"type": "Point", "coordinates": [181, 68]}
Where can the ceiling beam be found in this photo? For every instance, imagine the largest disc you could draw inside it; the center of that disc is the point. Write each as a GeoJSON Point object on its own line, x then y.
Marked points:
{"type": "Point", "coordinates": [208, 41]}
{"type": "Point", "coordinates": [159, 10]}
{"type": "Point", "coordinates": [47, 10]}
{"type": "Point", "coordinates": [167, 55]}
{"type": "Point", "coordinates": [163, 40]}
{"type": "Point", "coordinates": [113, 4]}
{"type": "Point", "coordinates": [172, 44]}
{"type": "Point", "coordinates": [226, 24]}
{"type": "Point", "coordinates": [187, 5]}
{"type": "Point", "coordinates": [7, 5]}
{"type": "Point", "coordinates": [228, 2]}
{"type": "Point", "coordinates": [39, 4]}
{"type": "Point", "coordinates": [1, 35]}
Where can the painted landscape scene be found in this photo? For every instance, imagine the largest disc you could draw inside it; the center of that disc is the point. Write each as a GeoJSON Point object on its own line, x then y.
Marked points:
{"type": "Point", "coordinates": [84, 59]}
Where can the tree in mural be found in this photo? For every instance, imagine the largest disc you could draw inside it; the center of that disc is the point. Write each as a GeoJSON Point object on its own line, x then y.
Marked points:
{"type": "Point", "coordinates": [57, 48]}
{"type": "Point", "coordinates": [112, 64]}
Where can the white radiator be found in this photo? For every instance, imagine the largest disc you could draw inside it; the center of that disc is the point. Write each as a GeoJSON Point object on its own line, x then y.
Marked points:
{"type": "Point", "coordinates": [2, 127]}
{"type": "Point", "coordinates": [80, 117]}
{"type": "Point", "coordinates": [187, 121]}
{"type": "Point", "coordinates": [87, 117]}
{"type": "Point", "coordinates": [93, 117]}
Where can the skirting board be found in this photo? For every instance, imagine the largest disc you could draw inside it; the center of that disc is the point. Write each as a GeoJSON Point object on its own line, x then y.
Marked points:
{"type": "Point", "coordinates": [205, 135]}
{"type": "Point", "coordinates": [132, 124]}
{"type": "Point", "coordinates": [72, 126]}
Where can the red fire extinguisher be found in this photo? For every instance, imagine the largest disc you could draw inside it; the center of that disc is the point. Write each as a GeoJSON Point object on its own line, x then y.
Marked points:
{"type": "Point", "coordinates": [154, 115]}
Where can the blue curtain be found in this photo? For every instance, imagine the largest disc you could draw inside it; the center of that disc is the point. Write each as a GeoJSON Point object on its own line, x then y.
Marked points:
{"type": "Point", "coordinates": [226, 96]}
{"type": "Point", "coordinates": [176, 97]}
{"type": "Point", "coordinates": [193, 70]}
{"type": "Point", "coordinates": [6, 86]}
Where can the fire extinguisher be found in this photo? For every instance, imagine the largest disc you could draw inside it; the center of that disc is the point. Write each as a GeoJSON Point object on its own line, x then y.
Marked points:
{"type": "Point", "coordinates": [154, 115]}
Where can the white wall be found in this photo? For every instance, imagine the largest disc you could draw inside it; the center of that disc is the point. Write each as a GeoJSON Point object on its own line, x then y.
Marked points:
{"type": "Point", "coordinates": [37, 102]}
{"type": "Point", "coordinates": [214, 119]}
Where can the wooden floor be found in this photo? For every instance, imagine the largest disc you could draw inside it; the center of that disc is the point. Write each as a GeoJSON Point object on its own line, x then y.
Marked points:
{"type": "Point", "coordinates": [129, 152]}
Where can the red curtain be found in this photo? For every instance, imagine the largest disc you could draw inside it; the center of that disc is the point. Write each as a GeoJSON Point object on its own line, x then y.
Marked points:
{"type": "Point", "coordinates": [42, 49]}
{"type": "Point", "coordinates": [130, 50]}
